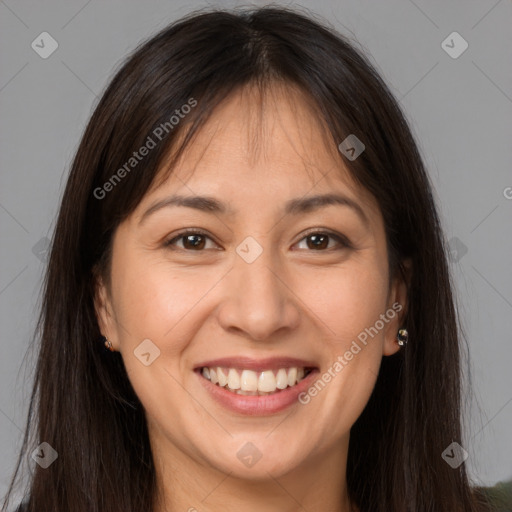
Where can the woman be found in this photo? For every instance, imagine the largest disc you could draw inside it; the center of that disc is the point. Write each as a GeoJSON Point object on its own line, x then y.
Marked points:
{"type": "Point", "coordinates": [249, 228]}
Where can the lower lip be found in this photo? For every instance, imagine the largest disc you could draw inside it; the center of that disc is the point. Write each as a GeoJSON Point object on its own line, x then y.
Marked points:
{"type": "Point", "coordinates": [256, 405]}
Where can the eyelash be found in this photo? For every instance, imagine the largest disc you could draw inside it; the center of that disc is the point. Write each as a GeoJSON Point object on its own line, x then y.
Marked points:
{"type": "Point", "coordinates": [341, 239]}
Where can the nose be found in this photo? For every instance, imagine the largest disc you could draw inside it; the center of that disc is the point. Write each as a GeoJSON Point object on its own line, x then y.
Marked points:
{"type": "Point", "coordinates": [258, 301]}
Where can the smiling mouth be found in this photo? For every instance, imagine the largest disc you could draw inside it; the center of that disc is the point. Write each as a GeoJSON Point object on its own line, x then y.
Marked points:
{"type": "Point", "coordinates": [253, 383]}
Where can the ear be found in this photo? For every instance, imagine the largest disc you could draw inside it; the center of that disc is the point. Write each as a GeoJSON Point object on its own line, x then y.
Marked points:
{"type": "Point", "coordinates": [103, 308]}
{"type": "Point", "coordinates": [397, 303]}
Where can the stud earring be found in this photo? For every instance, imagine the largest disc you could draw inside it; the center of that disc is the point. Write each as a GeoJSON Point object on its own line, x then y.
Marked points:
{"type": "Point", "coordinates": [108, 344]}
{"type": "Point", "coordinates": [402, 337]}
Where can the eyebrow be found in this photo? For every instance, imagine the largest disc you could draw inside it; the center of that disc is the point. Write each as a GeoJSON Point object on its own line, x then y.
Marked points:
{"type": "Point", "coordinates": [292, 207]}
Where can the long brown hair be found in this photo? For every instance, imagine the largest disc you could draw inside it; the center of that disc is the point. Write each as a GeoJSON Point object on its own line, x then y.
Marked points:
{"type": "Point", "coordinates": [82, 402]}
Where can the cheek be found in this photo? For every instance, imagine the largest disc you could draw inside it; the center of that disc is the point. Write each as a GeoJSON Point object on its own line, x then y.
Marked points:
{"type": "Point", "coordinates": [346, 300]}
{"type": "Point", "coordinates": [156, 300]}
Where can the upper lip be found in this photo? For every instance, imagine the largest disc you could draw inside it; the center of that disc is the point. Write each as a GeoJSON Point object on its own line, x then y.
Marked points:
{"type": "Point", "coordinates": [247, 363]}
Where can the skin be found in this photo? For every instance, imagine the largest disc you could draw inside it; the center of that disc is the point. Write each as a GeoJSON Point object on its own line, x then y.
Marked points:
{"type": "Point", "coordinates": [293, 300]}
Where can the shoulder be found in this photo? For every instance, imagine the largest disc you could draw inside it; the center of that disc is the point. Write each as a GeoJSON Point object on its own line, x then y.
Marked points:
{"type": "Point", "coordinates": [499, 496]}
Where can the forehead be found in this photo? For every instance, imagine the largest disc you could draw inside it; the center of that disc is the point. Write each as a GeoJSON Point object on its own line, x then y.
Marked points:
{"type": "Point", "coordinates": [270, 143]}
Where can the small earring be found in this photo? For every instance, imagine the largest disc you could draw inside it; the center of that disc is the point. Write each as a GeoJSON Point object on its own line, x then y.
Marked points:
{"type": "Point", "coordinates": [108, 344]}
{"type": "Point", "coordinates": [402, 337]}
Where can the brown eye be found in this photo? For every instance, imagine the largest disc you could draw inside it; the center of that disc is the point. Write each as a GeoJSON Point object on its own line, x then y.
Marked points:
{"type": "Point", "coordinates": [193, 241]}
{"type": "Point", "coordinates": [190, 241]}
{"type": "Point", "coordinates": [320, 240]}
{"type": "Point", "coordinates": [317, 241]}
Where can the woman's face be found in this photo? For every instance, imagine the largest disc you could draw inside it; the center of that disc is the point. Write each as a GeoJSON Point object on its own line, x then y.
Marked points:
{"type": "Point", "coordinates": [268, 285]}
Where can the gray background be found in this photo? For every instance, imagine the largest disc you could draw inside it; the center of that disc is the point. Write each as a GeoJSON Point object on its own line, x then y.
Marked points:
{"type": "Point", "coordinates": [459, 109]}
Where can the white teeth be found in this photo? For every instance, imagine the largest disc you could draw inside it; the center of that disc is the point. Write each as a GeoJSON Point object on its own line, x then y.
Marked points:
{"type": "Point", "coordinates": [281, 379]}
{"type": "Point", "coordinates": [267, 381]}
{"type": "Point", "coordinates": [233, 379]}
{"type": "Point", "coordinates": [243, 392]}
{"type": "Point", "coordinates": [223, 378]}
{"type": "Point", "coordinates": [249, 382]}
{"type": "Point", "coordinates": [292, 376]}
